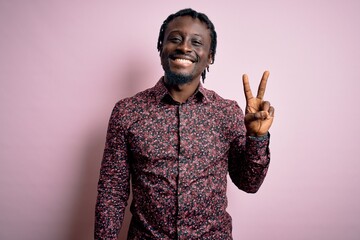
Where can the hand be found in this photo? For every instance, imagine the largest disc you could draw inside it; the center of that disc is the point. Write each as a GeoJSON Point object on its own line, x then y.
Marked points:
{"type": "Point", "coordinates": [259, 114]}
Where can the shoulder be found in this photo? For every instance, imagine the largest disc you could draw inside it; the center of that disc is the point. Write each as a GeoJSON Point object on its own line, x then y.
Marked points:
{"type": "Point", "coordinates": [128, 109]}
{"type": "Point", "coordinates": [228, 114]}
{"type": "Point", "coordinates": [138, 100]}
{"type": "Point", "coordinates": [226, 106]}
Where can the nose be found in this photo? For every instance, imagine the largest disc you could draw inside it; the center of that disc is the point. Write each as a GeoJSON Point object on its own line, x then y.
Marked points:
{"type": "Point", "coordinates": [185, 46]}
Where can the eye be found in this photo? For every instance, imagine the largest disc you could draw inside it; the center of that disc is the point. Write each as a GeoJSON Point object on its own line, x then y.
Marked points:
{"type": "Point", "coordinates": [174, 39]}
{"type": "Point", "coordinates": [196, 42]}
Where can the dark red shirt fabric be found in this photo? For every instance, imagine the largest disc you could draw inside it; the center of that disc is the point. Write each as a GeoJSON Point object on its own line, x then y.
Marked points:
{"type": "Point", "coordinates": [177, 157]}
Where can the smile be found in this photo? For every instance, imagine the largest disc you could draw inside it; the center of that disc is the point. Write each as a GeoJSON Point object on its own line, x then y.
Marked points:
{"type": "Point", "coordinates": [182, 62]}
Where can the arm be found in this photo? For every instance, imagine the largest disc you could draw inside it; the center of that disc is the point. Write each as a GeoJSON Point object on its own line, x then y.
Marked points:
{"type": "Point", "coordinates": [249, 154]}
{"type": "Point", "coordinates": [249, 157]}
{"type": "Point", "coordinates": [114, 182]}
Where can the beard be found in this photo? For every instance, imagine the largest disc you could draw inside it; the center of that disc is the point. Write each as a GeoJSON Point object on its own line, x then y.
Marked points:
{"type": "Point", "coordinates": [174, 79]}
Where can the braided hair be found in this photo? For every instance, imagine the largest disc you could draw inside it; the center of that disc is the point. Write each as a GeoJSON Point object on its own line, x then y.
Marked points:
{"type": "Point", "coordinates": [194, 14]}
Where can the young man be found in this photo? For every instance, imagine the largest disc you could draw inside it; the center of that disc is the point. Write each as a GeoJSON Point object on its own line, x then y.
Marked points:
{"type": "Point", "coordinates": [177, 141]}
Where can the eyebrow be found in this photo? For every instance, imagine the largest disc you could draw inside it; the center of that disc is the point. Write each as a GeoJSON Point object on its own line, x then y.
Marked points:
{"type": "Point", "coordinates": [177, 31]}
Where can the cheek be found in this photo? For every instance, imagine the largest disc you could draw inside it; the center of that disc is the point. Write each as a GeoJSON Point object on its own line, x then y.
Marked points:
{"type": "Point", "coordinates": [164, 53]}
{"type": "Point", "coordinates": [204, 55]}
{"type": "Point", "coordinates": [162, 57]}
{"type": "Point", "coordinates": [205, 60]}
{"type": "Point", "coordinates": [164, 63]}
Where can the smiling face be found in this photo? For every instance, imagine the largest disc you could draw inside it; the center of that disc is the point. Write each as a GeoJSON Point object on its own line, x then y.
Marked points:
{"type": "Point", "coordinates": [186, 50]}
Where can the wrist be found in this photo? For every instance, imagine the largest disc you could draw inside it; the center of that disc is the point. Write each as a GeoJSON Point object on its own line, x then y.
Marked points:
{"type": "Point", "coordinates": [251, 134]}
{"type": "Point", "coordinates": [258, 137]}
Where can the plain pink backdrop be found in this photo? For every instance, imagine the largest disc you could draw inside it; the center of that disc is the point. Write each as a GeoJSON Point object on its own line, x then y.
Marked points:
{"type": "Point", "coordinates": [64, 64]}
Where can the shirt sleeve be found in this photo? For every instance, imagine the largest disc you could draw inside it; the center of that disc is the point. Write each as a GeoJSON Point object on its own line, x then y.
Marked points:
{"type": "Point", "coordinates": [114, 181]}
{"type": "Point", "coordinates": [249, 157]}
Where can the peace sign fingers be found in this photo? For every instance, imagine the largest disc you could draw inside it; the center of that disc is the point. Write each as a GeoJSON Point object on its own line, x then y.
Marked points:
{"type": "Point", "coordinates": [262, 85]}
{"type": "Point", "coordinates": [247, 89]}
{"type": "Point", "coordinates": [259, 114]}
{"type": "Point", "coordinates": [261, 89]}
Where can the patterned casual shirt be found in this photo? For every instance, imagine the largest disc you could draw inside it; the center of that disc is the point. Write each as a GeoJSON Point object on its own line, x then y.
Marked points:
{"type": "Point", "coordinates": [177, 156]}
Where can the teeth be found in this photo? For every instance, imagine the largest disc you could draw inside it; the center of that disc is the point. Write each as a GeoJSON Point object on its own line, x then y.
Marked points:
{"type": "Point", "coordinates": [182, 60]}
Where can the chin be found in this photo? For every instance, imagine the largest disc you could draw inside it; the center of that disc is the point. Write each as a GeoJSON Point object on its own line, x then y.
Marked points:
{"type": "Point", "coordinates": [174, 79]}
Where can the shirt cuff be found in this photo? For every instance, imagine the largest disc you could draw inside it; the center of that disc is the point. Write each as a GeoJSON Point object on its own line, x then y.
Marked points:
{"type": "Point", "coordinates": [260, 138]}
{"type": "Point", "coordinates": [258, 149]}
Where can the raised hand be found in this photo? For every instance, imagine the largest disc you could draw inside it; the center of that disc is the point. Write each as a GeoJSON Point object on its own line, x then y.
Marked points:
{"type": "Point", "coordinates": [259, 114]}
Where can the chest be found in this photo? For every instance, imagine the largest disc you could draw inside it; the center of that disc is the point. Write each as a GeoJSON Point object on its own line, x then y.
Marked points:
{"type": "Point", "coordinates": [172, 131]}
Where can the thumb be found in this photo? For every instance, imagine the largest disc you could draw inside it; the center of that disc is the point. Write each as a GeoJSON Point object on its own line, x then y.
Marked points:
{"type": "Point", "coordinates": [262, 115]}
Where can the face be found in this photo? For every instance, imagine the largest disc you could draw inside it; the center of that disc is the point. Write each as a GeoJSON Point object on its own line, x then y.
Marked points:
{"type": "Point", "coordinates": [186, 50]}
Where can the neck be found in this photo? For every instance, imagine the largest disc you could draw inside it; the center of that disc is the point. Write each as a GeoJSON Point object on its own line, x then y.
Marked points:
{"type": "Point", "coordinates": [182, 92]}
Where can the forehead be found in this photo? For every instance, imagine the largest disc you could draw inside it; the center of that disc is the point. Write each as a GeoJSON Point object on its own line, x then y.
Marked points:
{"type": "Point", "coordinates": [188, 25]}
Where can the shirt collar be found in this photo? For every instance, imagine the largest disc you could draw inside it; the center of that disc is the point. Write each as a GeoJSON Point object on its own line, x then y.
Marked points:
{"type": "Point", "coordinates": [162, 93]}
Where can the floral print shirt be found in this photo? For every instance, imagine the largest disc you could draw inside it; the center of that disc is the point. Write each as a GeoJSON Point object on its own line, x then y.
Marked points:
{"type": "Point", "coordinates": [176, 158]}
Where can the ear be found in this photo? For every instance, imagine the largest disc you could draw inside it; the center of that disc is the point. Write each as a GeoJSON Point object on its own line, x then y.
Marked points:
{"type": "Point", "coordinates": [210, 58]}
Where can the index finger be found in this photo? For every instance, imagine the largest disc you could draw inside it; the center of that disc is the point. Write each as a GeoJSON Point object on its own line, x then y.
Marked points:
{"type": "Point", "coordinates": [262, 85]}
{"type": "Point", "coordinates": [247, 90]}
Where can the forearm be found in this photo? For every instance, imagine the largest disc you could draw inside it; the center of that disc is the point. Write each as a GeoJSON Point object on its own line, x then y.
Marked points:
{"type": "Point", "coordinates": [113, 194]}
{"type": "Point", "coordinates": [248, 167]}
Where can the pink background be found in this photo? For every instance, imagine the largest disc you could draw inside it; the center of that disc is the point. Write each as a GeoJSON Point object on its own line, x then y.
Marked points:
{"type": "Point", "coordinates": [64, 64]}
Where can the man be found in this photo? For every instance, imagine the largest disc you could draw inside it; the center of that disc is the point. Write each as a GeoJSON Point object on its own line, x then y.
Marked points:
{"type": "Point", "coordinates": [177, 141]}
